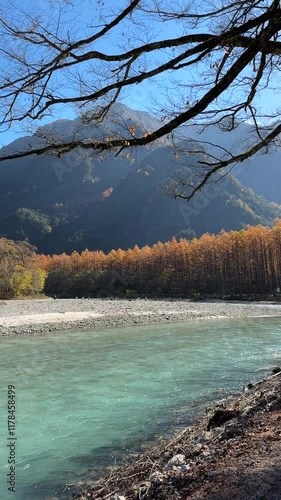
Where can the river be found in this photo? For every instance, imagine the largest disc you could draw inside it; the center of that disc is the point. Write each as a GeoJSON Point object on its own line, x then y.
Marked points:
{"type": "Point", "coordinates": [84, 399]}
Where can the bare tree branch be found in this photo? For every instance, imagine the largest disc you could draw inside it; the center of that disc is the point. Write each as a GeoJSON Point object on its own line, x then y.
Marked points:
{"type": "Point", "coordinates": [234, 159]}
{"type": "Point", "coordinates": [234, 57]}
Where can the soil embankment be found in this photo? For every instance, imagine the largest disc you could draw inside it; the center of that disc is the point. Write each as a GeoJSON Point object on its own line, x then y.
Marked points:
{"type": "Point", "coordinates": [233, 451]}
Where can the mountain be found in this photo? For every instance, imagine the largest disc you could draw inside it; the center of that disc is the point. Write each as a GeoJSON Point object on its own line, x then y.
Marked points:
{"type": "Point", "coordinates": [104, 202]}
{"type": "Point", "coordinates": [263, 175]}
{"type": "Point", "coordinates": [262, 172]}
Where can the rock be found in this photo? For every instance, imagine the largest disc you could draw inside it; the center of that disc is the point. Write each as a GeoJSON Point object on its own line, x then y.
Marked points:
{"type": "Point", "coordinates": [185, 468]}
{"type": "Point", "coordinates": [249, 410]}
{"type": "Point", "coordinates": [271, 397]}
{"type": "Point", "coordinates": [220, 417]}
{"type": "Point", "coordinates": [249, 386]}
{"type": "Point", "coordinates": [203, 438]}
{"type": "Point", "coordinates": [201, 449]}
{"type": "Point", "coordinates": [175, 461]}
{"type": "Point", "coordinates": [275, 370]}
{"type": "Point", "coordinates": [232, 430]}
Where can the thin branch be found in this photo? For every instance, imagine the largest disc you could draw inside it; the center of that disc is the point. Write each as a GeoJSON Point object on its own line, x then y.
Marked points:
{"type": "Point", "coordinates": [235, 159]}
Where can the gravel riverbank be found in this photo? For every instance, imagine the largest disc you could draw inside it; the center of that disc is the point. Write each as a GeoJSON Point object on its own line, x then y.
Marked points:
{"type": "Point", "coordinates": [35, 317]}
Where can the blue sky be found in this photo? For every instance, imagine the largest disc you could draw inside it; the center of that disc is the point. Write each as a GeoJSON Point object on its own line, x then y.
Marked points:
{"type": "Point", "coordinates": [140, 96]}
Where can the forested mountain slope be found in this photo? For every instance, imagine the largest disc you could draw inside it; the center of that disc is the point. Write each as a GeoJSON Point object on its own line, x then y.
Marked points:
{"type": "Point", "coordinates": [104, 202]}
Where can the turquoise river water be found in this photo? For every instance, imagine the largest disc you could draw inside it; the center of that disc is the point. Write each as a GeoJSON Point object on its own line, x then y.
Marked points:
{"type": "Point", "coordinates": [85, 398]}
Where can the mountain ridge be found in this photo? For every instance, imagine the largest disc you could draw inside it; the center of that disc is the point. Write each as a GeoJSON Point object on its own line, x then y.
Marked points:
{"type": "Point", "coordinates": [108, 201]}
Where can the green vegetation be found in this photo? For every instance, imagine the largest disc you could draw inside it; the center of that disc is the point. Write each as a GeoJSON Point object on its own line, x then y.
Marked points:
{"type": "Point", "coordinates": [27, 224]}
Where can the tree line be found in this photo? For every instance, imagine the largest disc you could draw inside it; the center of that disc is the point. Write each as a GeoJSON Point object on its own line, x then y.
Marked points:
{"type": "Point", "coordinates": [230, 264]}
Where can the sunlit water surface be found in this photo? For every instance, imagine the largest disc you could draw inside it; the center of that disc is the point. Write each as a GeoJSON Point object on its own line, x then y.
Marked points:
{"type": "Point", "coordinates": [85, 398]}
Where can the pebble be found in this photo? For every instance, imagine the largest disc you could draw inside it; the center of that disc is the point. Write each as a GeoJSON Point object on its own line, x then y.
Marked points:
{"type": "Point", "coordinates": [114, 314]}
{"type": "Point", "coordinates": [174, 461]}
{"type": "Point", "coordinates": [249, 410]}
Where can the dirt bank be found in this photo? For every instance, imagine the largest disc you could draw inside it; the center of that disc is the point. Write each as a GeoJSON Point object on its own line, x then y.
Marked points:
{"type": "Point", "coordinates": [233, 451]}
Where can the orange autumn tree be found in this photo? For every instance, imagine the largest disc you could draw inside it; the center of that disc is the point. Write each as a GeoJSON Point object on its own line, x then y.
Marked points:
{"type": "Point", "coordinates": [235, 263]}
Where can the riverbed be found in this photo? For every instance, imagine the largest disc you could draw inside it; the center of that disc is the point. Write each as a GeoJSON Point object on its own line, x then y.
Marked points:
{"type": "Point", "coordinates": [26, 317]}
{"type": "Point", "coordinates": [87, 398]}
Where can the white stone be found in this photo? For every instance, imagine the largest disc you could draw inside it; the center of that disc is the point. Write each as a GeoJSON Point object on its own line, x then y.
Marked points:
{"type": "Point", "coordinates": [174, 461]}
